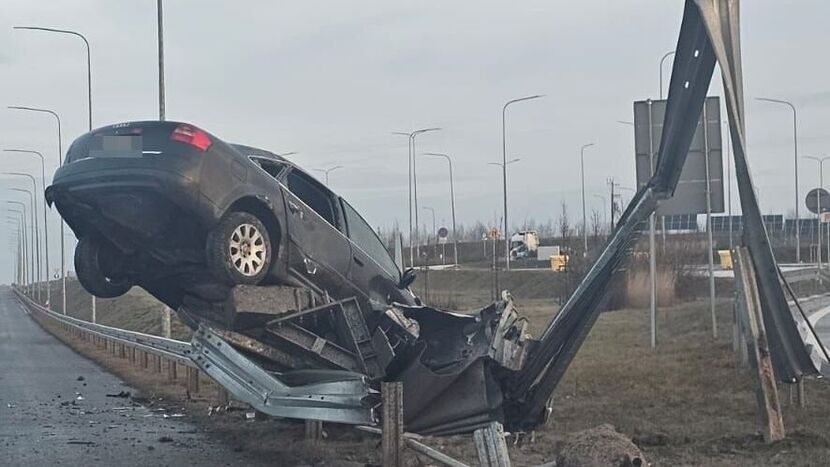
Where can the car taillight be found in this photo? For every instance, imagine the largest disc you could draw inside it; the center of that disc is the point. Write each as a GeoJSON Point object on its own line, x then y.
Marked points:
{"type": "Point", "coordinates": [191, 135]}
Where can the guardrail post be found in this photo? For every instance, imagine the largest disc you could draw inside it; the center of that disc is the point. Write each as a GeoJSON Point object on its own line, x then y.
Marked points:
{"type": "Point", "coordinates": [157, 363]}
{"type": "Point", "coordinates": [491, 446]}
{"type": "Point", "coordinates": [313, 430]}
{"type": "Point", "coordinates": [392, 435]}
{"type": "Point", "coordinates": [122, 351]}
{"type": "Point", "coordinates": [766, 391]}
{"type": "Point", "coordinates": [145, 360]}
{"type": "Point", "coordinates": [192, 381]}
{"type": "Point", "coordinates": [171, 371]}
{"type": "Point", "coordinates": [132, 355]}
{"type": "Point", "coordinates": [222, 397]}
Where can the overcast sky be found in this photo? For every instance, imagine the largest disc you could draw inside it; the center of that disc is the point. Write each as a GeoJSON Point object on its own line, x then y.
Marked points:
{"type": "Point", "coordinates": [332, 80]}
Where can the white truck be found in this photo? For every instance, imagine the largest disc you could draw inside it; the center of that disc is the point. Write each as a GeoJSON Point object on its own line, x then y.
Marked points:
{"type": "Point", "coordinates": [523, 243]}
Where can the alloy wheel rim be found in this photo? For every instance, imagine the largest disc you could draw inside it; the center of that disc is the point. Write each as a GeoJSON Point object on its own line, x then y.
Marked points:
{"type": "Point", "coordinates": [247, 250]}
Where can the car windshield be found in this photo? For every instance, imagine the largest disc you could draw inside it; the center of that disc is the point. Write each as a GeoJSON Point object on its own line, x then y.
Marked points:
{"type": "Point", "coordinates": [367, 240]}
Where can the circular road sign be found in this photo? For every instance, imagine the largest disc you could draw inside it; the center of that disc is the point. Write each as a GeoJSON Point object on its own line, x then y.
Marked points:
{"type": "Point", "coordinates": [813, 197]}
{"type": "Point", "coordinates": [443, 232]}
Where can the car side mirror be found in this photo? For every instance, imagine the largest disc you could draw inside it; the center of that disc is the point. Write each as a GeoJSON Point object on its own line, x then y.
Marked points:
{"type": "Point", "coordinates": [407, 278]}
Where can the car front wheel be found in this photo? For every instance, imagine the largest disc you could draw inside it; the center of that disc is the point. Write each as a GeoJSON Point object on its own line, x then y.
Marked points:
{"type": "Point", "coordinates": [239, 249]}
{"type": "Point", "coordinates": [96, 273]}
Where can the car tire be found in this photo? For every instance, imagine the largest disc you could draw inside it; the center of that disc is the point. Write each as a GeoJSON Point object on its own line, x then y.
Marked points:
{"type": "Point", "coordinates": [91, 274]}
{"type": "Point", "coordinates": [239, 249]}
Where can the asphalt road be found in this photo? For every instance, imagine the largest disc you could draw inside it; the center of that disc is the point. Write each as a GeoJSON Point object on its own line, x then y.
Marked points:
{"type": "Point", "coordinates": [54, 409]}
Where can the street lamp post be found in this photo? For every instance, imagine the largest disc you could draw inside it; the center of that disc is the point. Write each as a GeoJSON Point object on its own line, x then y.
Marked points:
{"type": "Point", "coordinates": [413, 184]}
{"type": "Point", "coordinates": [663, 59]}
{"type": "Point", "coordinates": [88, 61]}
{"type": "Point", "coordinates": [432, 210]}
{"type": "Point", "coordinates": [21, 219]}
{"type": "Point", "coordinates": [506, 236]}
{"type": "Point", "coordinates": [584, 219]}
{"type": "Point", "coordinates": [504, 171]}
{"type": "Point", "coordinates": [820, 161]}
{"type": "Point", "coordinates": [60, 162]}
{"type": "Point", "coordinates": [36, 253]}
{"type": "Point", "coordinates": [604, 207]}
{"type": "Point", "coordinates": [26, 216]}
{"type": "Point", "coordinates": [21, 238]}
{"type": "Point", "coordinates": [88, 84]}
{"type": "Point", "coordinates": [795, 170]}
{"type": "Point", "coordinates": [452, 202]}
{"type": "Point", "coordinates": [160, 30]}
{"type": "Point", "coordinates": [35, 222]}
{"type": "Point", "coordinates": [330, 169]}
{"type": "Point", "coordinates": [45, 220]}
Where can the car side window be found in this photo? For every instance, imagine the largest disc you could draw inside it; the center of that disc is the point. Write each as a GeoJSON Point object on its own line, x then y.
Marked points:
{"type": "Point", "coordinates": [314, 195]}
{"type": "Point", "coordinates": [272, 167]}
{"type": "Point", "coordinates": [365, 237]}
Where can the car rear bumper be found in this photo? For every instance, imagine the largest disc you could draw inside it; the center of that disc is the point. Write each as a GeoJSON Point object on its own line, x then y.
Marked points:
{"type": "Point", "coordinates": [130, 202]}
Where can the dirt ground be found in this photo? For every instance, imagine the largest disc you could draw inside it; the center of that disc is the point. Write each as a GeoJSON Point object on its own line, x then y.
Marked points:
{"type": "Point", "coordinates": [687, 403]}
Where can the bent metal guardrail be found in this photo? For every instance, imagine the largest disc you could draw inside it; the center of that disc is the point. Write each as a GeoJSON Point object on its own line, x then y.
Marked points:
{"type": "Point", "coordinates": [326, 395]}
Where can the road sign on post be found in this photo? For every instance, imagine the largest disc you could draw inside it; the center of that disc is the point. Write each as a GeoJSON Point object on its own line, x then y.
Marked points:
{"type": "Point", "coordinates": [443, 234]}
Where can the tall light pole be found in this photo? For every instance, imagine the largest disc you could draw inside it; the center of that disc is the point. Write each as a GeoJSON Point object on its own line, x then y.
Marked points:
{"type": "Point", "coordinates": [506, 236]}
{"type": "Point", "coordinates": [35, 222]}
{"type": "Point", "coordinates": [88, 61]}
{"type": "Point", "coordinates": [604, 207]}
{"type": "Point", "coordinates": [413, 184]}
{"type": "Point", "coordinates": [663, 59]}
{"type": "Point", "coordinates": [60, 162]}
{"type": "Point", "coordinates": [21, 238]}
{"type": "Point", "coordinates": [504, 171]}
{"type": "Point", "coordinates": [160, 27]}
{"type": "Point", "coordinates": [427, 208]}
{"type": "Point", "coordinates": [795, 170]}
{"type": "Point", "coordinates": [820, 161]}
{"type": "Point", "coordinates": [36, 241]}
{"type": "Point", "coordinates": [22, 220]}
{"type": "Point", "coordinates": [45, 220]}
{"type": "Point", "coordinates": [452, 202]}
{"type": "Point", "coordinates": [26, 215]}
{"type": "Point", "coordinates": [88, 85]}
{"type": "Point", "coordinates": [330, 169]}
{"type": "Point", "coordinates": [584, 219]}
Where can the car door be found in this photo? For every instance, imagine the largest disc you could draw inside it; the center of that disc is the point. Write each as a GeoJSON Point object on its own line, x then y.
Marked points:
{"type": "Point", "coordinates": [372, 270]}
{"type": "Point", "coordinates": [319, 254]}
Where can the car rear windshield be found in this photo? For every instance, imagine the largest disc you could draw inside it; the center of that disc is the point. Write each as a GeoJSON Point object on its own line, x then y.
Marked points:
{"type": "Point", "coordinates": [127, 140]}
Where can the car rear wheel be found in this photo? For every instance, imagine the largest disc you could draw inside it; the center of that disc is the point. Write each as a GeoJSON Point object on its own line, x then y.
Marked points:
{"type": "Point", "coordinates": [239, 249]}
{"type": "Point", "coordinates": [94, 266]}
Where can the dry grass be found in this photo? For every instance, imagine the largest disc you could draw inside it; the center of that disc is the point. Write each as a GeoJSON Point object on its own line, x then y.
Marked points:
{"type": "Point", "coordinates": [686, 403]}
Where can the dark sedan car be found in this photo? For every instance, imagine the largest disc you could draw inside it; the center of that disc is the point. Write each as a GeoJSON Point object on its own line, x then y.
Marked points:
{"type": "Point", "coordinates": [172, 208]}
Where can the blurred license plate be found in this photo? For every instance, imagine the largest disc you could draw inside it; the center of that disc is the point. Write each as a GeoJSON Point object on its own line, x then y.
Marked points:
{"type": "Point", "coordinates": [116, 146]}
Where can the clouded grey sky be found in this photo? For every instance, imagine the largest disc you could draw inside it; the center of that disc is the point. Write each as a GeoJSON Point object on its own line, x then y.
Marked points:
{"type": "Point", "coordinates": [331, 80]}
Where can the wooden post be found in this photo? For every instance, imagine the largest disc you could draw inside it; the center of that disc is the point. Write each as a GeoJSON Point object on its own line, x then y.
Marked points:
{"type": "Point", "coordinates": [802, 401]}
{"type": "Point", "coordinates": [171, 371]}
{"type": "Point", "coordinates": [166, 320]}
{"type": "Point", "coordinates": [772, 424]}
{"type": "Point", "coordinates": [132, 355]}
{"type": "Point", "coordinates": [392, 436]}
{"type": "Point", "coordinates": [313, 430]}
{"type": "Point", "coordinates": [491, 446]}
{"type": "Point", "coordinates": [222, 397]}
{"type": "Point", "coordinates": [192, 381]}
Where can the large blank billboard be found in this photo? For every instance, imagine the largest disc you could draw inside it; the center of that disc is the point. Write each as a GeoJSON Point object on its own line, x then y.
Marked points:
{"type": "Point", "coordinates": [690, 195]}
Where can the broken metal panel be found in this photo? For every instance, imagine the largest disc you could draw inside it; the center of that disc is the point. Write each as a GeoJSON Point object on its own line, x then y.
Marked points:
{"type": "Point", "coordinates": [789, 354]}
{"type": "Point", "coordinates": [325, 351]}
{"type": "Point", "coordinates": [334, 396]}
{"type": "Point", "coordinates": [692, 71]}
